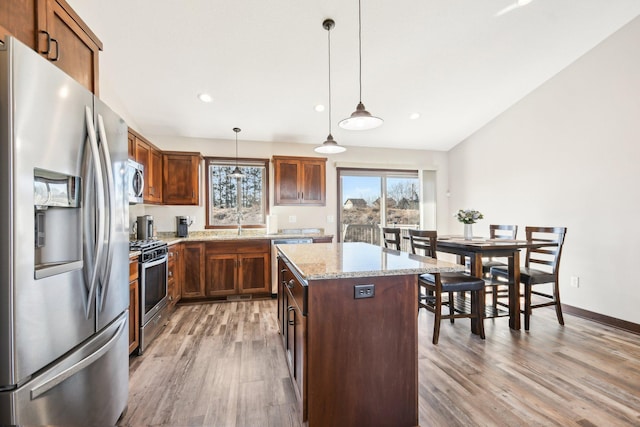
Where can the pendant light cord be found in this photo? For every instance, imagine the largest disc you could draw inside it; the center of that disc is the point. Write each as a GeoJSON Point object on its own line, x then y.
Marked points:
{"type": "Point", "coordinates": [360, 47]}
{"type": "Point", "coordinates": [329, 42]}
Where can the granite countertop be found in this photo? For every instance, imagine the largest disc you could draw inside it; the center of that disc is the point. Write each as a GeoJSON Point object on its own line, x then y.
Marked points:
{"type": "Point", "coordinates": [346, 260]}
{"type": "Point", "coordinates": [247, 234]}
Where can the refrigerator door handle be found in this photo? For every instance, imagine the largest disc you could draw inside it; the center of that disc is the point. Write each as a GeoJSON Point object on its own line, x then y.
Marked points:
{"type": "Point", "coordinates": [110, 193]}
{"type": "Point", "coordinates": [95, 154]}
{"type": "Point", "coordinates": [49, 383]}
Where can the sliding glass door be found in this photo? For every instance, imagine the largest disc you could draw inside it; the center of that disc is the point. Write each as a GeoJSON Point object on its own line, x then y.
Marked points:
{"type": "Point", "coordinates": [371, 199]}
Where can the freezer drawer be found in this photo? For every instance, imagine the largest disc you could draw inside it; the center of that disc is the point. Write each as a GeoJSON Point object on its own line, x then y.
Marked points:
{"type": "Point", "coordinates": [87, 387]}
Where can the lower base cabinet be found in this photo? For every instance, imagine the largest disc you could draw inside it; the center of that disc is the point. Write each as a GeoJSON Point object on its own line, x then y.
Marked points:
{"type": "Point", "coordinates": [226, 268]}
{"type": "Point", "coordinates": [134, 306]}
{"type": "Point", "coordinates": [352, 362]}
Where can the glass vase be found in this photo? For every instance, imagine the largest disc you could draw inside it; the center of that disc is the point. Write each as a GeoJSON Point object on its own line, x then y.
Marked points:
{"type": "Point", "coordinates": [468, 232]}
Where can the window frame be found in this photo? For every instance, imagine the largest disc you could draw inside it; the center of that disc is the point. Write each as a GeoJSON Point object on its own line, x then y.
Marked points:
{"type": "Point", "coordinates": [231, 161]}
{"type": "Point", "coordinates": [383, 174]}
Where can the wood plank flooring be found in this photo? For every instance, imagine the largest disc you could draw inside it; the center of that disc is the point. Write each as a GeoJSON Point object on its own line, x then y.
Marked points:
{"type": "Point", "coordinates": [222, 364]}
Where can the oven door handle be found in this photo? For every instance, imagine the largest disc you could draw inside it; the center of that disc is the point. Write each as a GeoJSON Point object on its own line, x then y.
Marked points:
{"type": "Point", "coordinates": [149, 264]}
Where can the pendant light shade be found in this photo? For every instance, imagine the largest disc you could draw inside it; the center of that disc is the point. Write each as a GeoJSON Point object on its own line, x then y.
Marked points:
{"type": "Point", "coordinates": [236, 173]}
{"type": "Point", "coordinates": [360, 119]}
{"type": "Point", "coordinates": [330, 146]}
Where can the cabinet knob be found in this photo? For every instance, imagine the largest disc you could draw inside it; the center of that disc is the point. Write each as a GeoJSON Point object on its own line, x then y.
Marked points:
{"type": "Point", "coordinates": [291, 283]}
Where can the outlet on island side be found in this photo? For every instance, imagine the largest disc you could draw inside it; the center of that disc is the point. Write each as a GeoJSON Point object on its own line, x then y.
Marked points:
{"type": "Point", "coordinates": [575, 282]}
{"type": "Point", "coordinates": [364, 291]}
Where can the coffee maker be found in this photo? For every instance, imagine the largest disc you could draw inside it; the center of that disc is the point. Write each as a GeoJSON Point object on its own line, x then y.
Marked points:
{"type": "Point", "coordinates": [145, 227]}
{"type": "Point", "coordinates": [182, 226]}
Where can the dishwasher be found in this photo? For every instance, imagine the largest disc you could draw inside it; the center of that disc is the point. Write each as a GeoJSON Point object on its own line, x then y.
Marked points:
{"type": "Point", "coordinates": [274, 257]}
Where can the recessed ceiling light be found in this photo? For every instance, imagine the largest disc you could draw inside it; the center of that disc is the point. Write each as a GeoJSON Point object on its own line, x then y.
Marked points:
{"type": "Point", "coordinates": [205, 97]}
{"type": "Point", "coordinates": [319, 108]}
{"type": "Point", "coordinates": [414, 116]}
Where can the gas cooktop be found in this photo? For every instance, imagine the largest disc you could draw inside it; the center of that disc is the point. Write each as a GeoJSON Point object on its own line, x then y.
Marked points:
{"type": "Point", "coordinates": [144, 245]}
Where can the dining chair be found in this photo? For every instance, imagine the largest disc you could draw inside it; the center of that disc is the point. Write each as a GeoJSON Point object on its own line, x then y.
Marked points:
{"type": "Point", "coordinates": [497, 231]}
{"type": "Point", "coordinates": [548, 258]}
{"type": "Point", "coordinates": [391, 237]}
{"type": "Point", "coordinates": [433, 286]}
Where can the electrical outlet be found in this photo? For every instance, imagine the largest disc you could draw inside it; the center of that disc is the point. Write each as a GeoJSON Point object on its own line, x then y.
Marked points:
{"type": "Point", "coordinates": [292, 218]}
{"type": "Point", "coordinates": [329, 218]}
{"type": "Point", "coordinates": [364, 291]}
{"type": "Point", "coordinates": [575, 282]}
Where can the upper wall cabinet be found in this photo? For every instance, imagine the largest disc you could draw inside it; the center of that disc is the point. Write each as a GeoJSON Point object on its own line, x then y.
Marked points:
{"type": "Point", "coordinates": [300, 180]}
{"type": "Point", "coordinates": [181, 178]}
{"type": "Point", "coordinates": [53, 29]}
{"type": "Point", "coordinates": [151, 158]}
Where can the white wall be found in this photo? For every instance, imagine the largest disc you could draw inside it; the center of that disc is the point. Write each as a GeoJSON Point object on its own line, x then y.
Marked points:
{"type": "Point", "coordinates": [308, 216]}
{"type": "Point", "coordinates": [567, 155]}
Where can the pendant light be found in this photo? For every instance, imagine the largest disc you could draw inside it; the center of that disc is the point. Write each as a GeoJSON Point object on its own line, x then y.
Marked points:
{"type": "Point", "coordinates": [330, 146]}
{"type": "Point", "coordinates": [360, 119]}
{"type": "Point", "coordinates": [236, 172]}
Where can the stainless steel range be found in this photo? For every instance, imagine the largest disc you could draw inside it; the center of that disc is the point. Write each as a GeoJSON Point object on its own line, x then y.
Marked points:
{"type": "Point", "coordinates": [153, 288]}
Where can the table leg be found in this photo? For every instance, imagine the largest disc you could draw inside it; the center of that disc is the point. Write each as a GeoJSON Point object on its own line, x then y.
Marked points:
{"type": "Point", "coordinates": [476, 270]}
{"type": "Point", "coordinates": [514, 290]}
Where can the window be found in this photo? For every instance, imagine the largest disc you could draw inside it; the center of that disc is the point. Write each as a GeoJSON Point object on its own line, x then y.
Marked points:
{"type": "Point", "coordinates": [371, 199]}
{"type": "Point", "coordinates": [237, 201]}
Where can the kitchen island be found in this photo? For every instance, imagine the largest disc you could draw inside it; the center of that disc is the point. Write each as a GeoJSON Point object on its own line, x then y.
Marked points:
{"type": "Point", "coordinates": [347, 313]}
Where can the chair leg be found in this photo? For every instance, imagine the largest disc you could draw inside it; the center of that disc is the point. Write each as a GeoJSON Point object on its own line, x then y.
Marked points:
{"type": "Point", "coordinates": [451, 308]}
{"type": "Point", "coordinates": [556, 296]}
{"type": "Point", "coordinates": [477, 309]}
{"type": "Point", "coordinates": [437, 318]}
{"type": "Point", "coordinates": [527, 306]}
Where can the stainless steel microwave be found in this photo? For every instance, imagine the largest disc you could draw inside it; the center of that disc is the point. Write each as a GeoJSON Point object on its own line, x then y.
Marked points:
{"type": "Point", "coordinates": [135, 182]}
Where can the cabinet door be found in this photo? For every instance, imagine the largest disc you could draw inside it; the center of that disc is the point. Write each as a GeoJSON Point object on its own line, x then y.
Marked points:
{"type": "Point", "coordinates": [253, 275]}
{"type": "Point", "coordinates": [134, 316]}
{"type": "Point", "coordinates": [18, 18]}
{"type": "Point", "coordinates": [313, 183]}
{"type": "Point", "coordinates": [75, 49]}
{"type": "Point", "coordinates": [221, 274]}
{"type": "Point", "coordinates": [155, 179]}
{"type": "Point", "coordinates": [151, 159]}
{"type": "Point", "coordinates": [180, 179]}
{"type": "Point", "coordinates": [286, 181]}
{"type": "Point", "coordinates": [131, 142]}
{"type": "Point", "coordinates": [193, 274]}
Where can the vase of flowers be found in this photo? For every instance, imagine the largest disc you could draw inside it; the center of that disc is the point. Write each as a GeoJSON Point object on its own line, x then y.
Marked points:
{"type": "Point", "coordinates": [468, 217]}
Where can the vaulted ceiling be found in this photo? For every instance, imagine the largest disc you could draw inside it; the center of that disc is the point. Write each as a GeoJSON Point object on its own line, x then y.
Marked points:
{"type": "Point", "coordinates": [457, 63]}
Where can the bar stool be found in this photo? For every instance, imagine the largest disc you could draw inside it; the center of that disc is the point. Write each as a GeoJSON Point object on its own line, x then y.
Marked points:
{"type": "Point", "coordinates": [391, 237]}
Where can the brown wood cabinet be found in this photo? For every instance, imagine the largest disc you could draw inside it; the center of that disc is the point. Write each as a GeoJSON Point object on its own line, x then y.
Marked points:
{"type": "Point", "coordinates": [368, 346]}
{"type": "Point", "coordinates": [193, 270]}
{"type": "Point", "coordinates": [151, 158]}
{"type": "Point", "coordinates": [53, 29]}
{"type": "Point", "coordinates": [293, 326]}
{"type": "Point", "coordinates": [237, 267]}
{"type": "Point", "coordinates": [223, 268]}
{"type": "Point", "coordinates": [299, 180]}
{"type": "Point", "coordinates": [174, 273]}
{"type": "Point", "coordinates": [181, 178]}
{"type": "Point", "coordinates": [134, 306]}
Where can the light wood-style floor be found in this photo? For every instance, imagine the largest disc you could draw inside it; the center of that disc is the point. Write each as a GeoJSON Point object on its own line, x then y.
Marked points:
{"type": "Point", "coordinates": [223, 364]}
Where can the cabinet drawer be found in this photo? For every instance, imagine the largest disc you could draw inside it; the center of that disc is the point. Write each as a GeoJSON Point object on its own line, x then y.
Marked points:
{"type": "Point", "coordinates": [238, 246]}
{"type": "Point", "coordinates": [297, 293]}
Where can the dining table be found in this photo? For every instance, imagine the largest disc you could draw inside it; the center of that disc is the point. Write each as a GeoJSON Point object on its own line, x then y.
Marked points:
{"type": "Point", "coordinates": [478, 248]}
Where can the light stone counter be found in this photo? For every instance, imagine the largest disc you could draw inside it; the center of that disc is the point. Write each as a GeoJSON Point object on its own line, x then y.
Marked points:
{"type": "Point", "coordinates": [248, 234]}
{"type": "Point", "coordinates": [320, 261]}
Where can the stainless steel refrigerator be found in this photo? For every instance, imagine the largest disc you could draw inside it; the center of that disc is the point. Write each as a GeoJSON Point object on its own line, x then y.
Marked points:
{"type": "Point", "coordinates": [64, 291]}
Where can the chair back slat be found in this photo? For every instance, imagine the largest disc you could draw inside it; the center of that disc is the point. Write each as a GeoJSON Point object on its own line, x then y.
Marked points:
{"type": "Point", "coordinates": [503, 231]}
{"type": "Point", "coordinates": [391, 237]}
{"type": "Point", "coordinates": [425, 241]}
{"type": "Point", "coordinates": [545, 255]}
